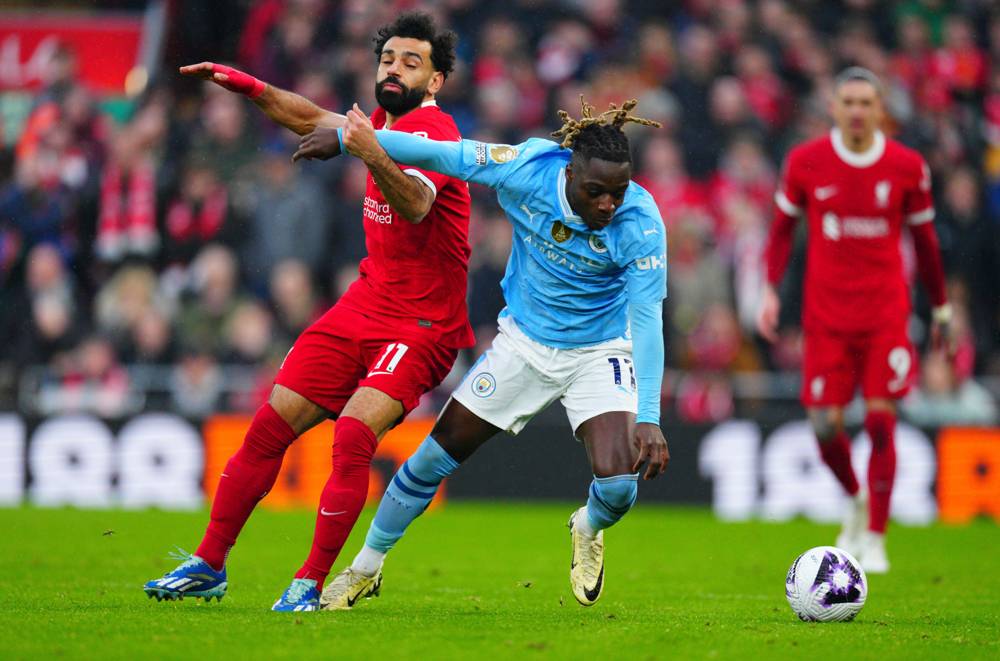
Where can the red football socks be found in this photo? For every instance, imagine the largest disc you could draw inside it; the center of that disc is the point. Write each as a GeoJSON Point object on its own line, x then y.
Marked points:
{"type": "Point", "coordinates": [343, 496]}
{"type": "Point", "coordinates": [836, 454]}
{"type": "Point", "coordinates": [881, 427]}
{"type": "Point", "coordinates": [249, 475]}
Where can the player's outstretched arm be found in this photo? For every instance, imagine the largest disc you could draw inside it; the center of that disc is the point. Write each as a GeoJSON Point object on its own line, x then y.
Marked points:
{"type": "Point", "coordinates": [291, 110]}
{"type": "Point", "coordinates": [463, 159]}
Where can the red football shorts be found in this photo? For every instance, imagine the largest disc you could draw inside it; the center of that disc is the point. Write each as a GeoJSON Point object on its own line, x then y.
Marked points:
{"type": "Point", "coordinates": [344, 350]}
{"type": "Point", "coordinates": [834, 363]}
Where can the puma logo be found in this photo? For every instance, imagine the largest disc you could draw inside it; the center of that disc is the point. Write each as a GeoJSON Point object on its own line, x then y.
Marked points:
{"type": "Point", "coordinates": [531, 216]}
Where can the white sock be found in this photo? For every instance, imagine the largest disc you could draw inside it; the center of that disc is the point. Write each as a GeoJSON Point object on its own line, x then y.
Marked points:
{"type": "Point", "coordinates": [368, 561]}
{"type": "Point", "coordinates": [582, 524]}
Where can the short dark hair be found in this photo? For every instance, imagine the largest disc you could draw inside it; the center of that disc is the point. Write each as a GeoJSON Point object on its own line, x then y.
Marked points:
{"type": "Point", "coordinates": [857, 73]}
{"type": "Point", "coordinates": [601, 136]}
{"type": "Point", "coordinates": [419, 25]}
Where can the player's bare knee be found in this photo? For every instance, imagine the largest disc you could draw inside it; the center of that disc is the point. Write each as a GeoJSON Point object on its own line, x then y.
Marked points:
{"type": "Point", "coordinates": [827, 423]}
{"type": "Point", "coordinates": [377, 410]}
{"type": "Point", "coordinates": [300, 414]}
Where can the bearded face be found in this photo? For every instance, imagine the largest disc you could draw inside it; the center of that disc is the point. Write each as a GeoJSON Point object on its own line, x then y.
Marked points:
{"type": "Point", "coordinates": [395, 97]}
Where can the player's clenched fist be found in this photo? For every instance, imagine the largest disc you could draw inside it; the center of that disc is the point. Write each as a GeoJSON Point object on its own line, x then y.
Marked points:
{"type": "Point", "coordinates": [359, 135]}
{"type": "Point", "coordinates": [232, 79]}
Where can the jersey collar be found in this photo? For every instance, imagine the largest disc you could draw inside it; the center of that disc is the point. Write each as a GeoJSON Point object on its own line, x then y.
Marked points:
{"type": "Point", "coordinates": [864, 159]}
{"type": "Point", "coordinates": [567, 210]}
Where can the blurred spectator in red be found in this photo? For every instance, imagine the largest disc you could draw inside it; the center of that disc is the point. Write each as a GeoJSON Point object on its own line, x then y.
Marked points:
{"type": "Point", "coordinates": [661, 172]}
{"type": "Point", "coordinates": [763, 89]}
{"type": "Point", "coordinates": [92, 381]}
{"type": "Point", "coordinates": [127, 221]}
{"type": "Point", "coordinates": [201, 213]}
{"type": "Point", "coordinates": [959, 64]}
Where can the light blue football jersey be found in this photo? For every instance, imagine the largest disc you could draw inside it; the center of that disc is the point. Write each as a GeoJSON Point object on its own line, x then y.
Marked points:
{"type": "Point", "coordinates": [567, 285]}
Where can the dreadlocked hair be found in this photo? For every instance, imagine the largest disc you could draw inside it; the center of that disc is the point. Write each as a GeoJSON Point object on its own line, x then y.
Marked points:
{"type": "Point", "coordinates": [601, 136]}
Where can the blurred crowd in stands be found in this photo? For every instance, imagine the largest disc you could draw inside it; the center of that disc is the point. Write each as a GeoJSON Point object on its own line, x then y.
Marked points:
{"type": "Point", "coordinates": [177, 247]}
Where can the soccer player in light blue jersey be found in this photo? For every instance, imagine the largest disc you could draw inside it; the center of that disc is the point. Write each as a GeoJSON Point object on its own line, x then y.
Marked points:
{"type": "Point", "coordinates": [584, 288]}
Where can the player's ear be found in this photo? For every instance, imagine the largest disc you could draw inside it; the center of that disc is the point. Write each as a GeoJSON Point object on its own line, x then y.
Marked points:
{"type": "Point", "coordinates": [569, 172]}
{"type": "Point", "coordinates": [436, 82]}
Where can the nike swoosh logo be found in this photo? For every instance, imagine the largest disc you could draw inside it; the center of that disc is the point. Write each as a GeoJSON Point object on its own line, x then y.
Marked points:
{"type": "Point", "coordinates": [648, 232]}
{"type": "Point", "coordinates": [364, 591]}
{"type": "Point", "coordinates": [593, 593]}
{"type": "Point", "coordinates": [325, 513]}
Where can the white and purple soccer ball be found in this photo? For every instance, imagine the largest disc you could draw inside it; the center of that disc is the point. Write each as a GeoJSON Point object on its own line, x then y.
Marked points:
{"type": "Point", "coordinates": [826, 584]}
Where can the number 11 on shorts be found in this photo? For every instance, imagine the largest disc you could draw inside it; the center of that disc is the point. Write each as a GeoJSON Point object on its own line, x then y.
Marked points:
{"type": "Point", "coordinates": [616, 365]}
{"type": "Point", "coordinates": [399, 348]}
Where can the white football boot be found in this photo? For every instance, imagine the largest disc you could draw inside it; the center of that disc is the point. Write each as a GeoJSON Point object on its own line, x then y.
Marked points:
{"type": "Point", "coordinates": [586, 570]}
{"type": "Point", "coordinates": [347, 587]}
{"type": "Point", "coordinates": [873, 558]}
{"type": "Point", "coordinates": [852, 533]}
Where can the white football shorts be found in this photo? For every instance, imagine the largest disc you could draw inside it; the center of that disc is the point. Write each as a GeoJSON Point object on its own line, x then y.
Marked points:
{"type": "Point", "coordinates": [517, 378]}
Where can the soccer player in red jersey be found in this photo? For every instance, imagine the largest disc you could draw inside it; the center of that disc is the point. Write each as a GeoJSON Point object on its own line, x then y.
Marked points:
{"type": "Point", "coordinates": [856, 189]}
{"type": "Point", "coordinates": [391, 337]}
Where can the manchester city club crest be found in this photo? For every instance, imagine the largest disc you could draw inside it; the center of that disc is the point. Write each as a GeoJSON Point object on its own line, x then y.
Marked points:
{"type": "Point", "coordinates": [597, 245]}
{"type": "Point", "coordinates": [560, 232]}
{"type": "Point", "coordinates": [483, 384]}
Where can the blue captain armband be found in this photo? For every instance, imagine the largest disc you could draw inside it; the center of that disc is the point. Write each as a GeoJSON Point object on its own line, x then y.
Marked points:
{"type": "Point", "coordinates": [646, 320]}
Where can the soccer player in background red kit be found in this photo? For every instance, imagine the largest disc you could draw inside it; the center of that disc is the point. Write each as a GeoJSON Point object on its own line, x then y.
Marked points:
{"type": "Point", "coordinates": [393, 336]}
{"type": "Point", "coordinates": [857, 189]}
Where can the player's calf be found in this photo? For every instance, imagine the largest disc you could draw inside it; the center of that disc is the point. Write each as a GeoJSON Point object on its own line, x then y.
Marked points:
{"type": "Point", "coordinates": [409, 493]}
{"type": "Point", "coordinates": [610, 499]}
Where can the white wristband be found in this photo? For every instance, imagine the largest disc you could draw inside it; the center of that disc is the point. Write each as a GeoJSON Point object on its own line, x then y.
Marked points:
{"type": "Point", "coordinates": [941, 314]}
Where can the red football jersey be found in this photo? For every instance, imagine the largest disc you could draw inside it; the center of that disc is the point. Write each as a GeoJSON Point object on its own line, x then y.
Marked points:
{"type": "Point", "coordinates": [855, 205]}
{"type": "Point", "coordinates": [417, 273]}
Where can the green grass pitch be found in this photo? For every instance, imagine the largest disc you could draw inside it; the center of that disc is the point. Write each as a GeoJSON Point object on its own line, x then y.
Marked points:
{"type": "Point", "coordinates": [488, 581]}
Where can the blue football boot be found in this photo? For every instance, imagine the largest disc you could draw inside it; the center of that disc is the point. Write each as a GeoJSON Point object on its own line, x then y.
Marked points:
{"type": "Point", "coordinates": [301, 595]}
{"type": "Point", "coordinates": [192, 578]}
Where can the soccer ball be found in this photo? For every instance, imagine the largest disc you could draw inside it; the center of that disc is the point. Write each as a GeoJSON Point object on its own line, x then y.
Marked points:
{"type": "Point", "coordinates": [826, 584]}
